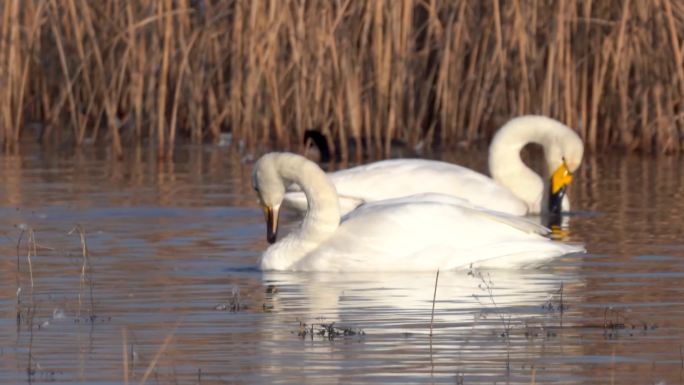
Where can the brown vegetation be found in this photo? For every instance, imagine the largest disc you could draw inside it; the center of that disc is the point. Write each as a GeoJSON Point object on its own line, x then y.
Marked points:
{"type": "Point", "coordinates": [130, 72]}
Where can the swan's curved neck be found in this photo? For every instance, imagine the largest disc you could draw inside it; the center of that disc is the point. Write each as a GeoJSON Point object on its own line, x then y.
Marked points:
{"type": "Point", "coordinates": [505, 164]}
{"type": "Point", "coordinates": [322, 216]}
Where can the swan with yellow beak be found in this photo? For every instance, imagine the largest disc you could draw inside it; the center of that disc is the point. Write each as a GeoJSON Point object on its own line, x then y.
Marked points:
{"type": "Point", "coordinates": [513, 188]}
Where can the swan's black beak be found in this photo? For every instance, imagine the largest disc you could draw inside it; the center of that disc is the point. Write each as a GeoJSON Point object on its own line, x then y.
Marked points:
{"type": "Point", "coordinates": [271, 216]}
{"type": "Point", "coordinates": [560, 180]}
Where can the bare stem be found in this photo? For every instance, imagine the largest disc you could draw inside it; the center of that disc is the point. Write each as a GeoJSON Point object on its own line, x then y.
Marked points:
{"type": "Point", "coordinates": [85, 270]}
{"type": "Point", "coordinates": [434, 297]}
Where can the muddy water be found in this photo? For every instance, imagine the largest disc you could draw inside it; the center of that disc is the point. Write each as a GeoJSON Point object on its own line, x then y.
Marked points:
{"type": "Point", "coordinates": [167, 290]}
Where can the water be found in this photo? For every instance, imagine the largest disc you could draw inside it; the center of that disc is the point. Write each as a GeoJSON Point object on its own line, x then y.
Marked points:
{"type": "Point", "coordinates": [169, 292]}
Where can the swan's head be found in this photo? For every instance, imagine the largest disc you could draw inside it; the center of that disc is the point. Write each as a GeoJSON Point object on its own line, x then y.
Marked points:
{"type": "Point", "coordinates": [563, 151]}
{"type": "Point", "coordinates": [564, 155]}
{"type": "Point", "coordinates": [270, 189]}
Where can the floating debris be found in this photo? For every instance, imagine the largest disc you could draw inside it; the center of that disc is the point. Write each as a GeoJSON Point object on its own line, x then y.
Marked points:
{"type": "Point", "coordinates": [271, 289]}
{"type": "Point", "coordinates": [58, 313]}
{"type": "Point", "coordinates": [326, 330]}
{"type": "Point", "coordinates": [91, 319]}
{"type": "Point", "coordinates": [234, 303]}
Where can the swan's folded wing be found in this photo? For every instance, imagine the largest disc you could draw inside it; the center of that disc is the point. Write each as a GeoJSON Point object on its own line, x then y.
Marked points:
{"type": "Point", "coordinates": [467, 206]}
{"type": "Point", "coordinates": [401, 177]}
{"type": "Point", "coordinates": [520, 223]}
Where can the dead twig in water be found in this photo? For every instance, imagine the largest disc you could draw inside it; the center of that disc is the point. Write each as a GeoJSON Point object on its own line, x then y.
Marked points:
{"type": "Point", "coordinates": [161, 350]}
{"type": "Point", "coordinates": [326, 330]}
{"type": "Point", "coordinates": [562, 305]}
{"type": "Point", "coordinates": [31, 311]}
{"type": "Point", "coordinates": [31, 249]}
{"type": "Point", "coordinates": [86, 269]}
{"type": "Point", "coordinates": [487, 286]}
{"type": "Point", "coordinates": [434, 297]}
{"type": "Point", "coordinates": [234, 304]}
{"type": "Point", "coordinates": [124, 353]}
{"type": "Point", "coordinates": [21, 236]}
{"type": "Point", "coordinates": [18, 277]}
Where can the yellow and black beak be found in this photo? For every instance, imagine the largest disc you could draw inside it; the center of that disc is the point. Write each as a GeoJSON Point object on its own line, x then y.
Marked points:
{"type": "Point", "coordinates": [560, 180]}
{"type": "Point", "coordinates": [271, 216]}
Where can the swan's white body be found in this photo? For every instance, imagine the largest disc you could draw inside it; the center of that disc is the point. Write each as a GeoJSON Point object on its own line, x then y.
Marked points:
{"type": "Point", "coordinates": [514, 189]}
{"type": "Point", "coordinates": [397, 178]}
{"type": "Point", "coordinates": [416, 233]}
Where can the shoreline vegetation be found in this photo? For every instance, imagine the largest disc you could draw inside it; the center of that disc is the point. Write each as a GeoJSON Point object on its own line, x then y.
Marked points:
{"type": "Point", "coordinates": [430, 72]}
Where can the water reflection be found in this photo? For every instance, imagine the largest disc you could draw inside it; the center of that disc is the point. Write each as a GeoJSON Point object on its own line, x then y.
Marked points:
{"type": "Point", "coordinates": [459, 294]}
{"type": "Point", "coordinates": [173, 249]}
{"type": "Point", "coordinates": [481, 317]}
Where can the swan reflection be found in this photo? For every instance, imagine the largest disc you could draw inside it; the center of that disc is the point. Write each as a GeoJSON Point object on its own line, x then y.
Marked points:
{"type": "Point", "coordinates": [397, 302]}
{"type": "Point", "coordinates": [474, 311]}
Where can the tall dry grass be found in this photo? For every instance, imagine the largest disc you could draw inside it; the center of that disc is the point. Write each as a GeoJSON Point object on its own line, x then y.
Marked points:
{"type": "Point", "coordinates": [147, 72]}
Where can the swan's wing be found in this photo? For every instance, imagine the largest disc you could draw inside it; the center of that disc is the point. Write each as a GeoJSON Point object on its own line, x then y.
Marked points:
{"type": "Point", "coordinates": [413, 235]}
{"type": "Point", "coordinates": [521, 223]}
{"type": "Point", "coordinates": [401, 177]}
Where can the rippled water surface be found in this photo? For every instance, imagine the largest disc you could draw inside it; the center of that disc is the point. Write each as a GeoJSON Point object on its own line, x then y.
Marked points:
{"type": "Point", "coordinates": [166, 290]}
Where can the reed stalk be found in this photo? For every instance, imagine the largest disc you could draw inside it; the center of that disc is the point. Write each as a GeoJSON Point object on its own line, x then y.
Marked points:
{"type": "Point", "coordinates": [164, 7]}
{"type": "Point", "coordinates": [436, 72]}
{"type": "Point", "coordinates": [434, 299]}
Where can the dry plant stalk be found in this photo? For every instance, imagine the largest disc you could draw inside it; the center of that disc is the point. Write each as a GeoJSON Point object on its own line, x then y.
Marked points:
{"type": "Point", "coordinates": [434, 298]}
{"type": "Point", "coordinates": [85, 271]}
{"type": "Point", "coordinates": [437, 72]}
{"type": "Point", "coordinates": [160, 351]}
{"type": "Point", "coordinates": [32, 251]}
{"type": "Point", "coordinates": [124, 354]}
{"type": "Point", "coordinates": [30, 312]}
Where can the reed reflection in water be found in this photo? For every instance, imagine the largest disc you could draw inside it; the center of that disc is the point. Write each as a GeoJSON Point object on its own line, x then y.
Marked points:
{"type": "Point", "coordinates": [172, 250]}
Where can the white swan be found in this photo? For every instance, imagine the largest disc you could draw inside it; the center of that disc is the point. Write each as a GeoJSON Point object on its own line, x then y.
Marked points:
{"type": "Point", "coordinates": [423, 233]}
{"type": "Point", "coordinates": [514, 189]}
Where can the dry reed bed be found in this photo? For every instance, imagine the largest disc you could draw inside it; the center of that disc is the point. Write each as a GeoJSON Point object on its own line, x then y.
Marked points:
{"type": "Point", "coordinates": [129, 72]}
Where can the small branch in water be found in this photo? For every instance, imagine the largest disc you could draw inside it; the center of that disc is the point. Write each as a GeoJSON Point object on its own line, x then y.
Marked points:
{"type": "Point", "coordinates": [434, 297]}
{"type": "Point", "coordinates": [160, 351]}
{"type": "Point", "coordinates": [21, 236]}
{"type": "Point", "coordinates": [562, 305]}
{"type": "Point", "coordinates": [18, 277]}
{"type": "Point", "coordinates": [124, 342]}
{"type": "Point", "coordinates": [326, 330]}
{"type": "Point", "coordinates": [86, 270]}
{"type": "Point", "coordinates": [31, 249]}
{"type": "Point", "coordinates": [30, 312]}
